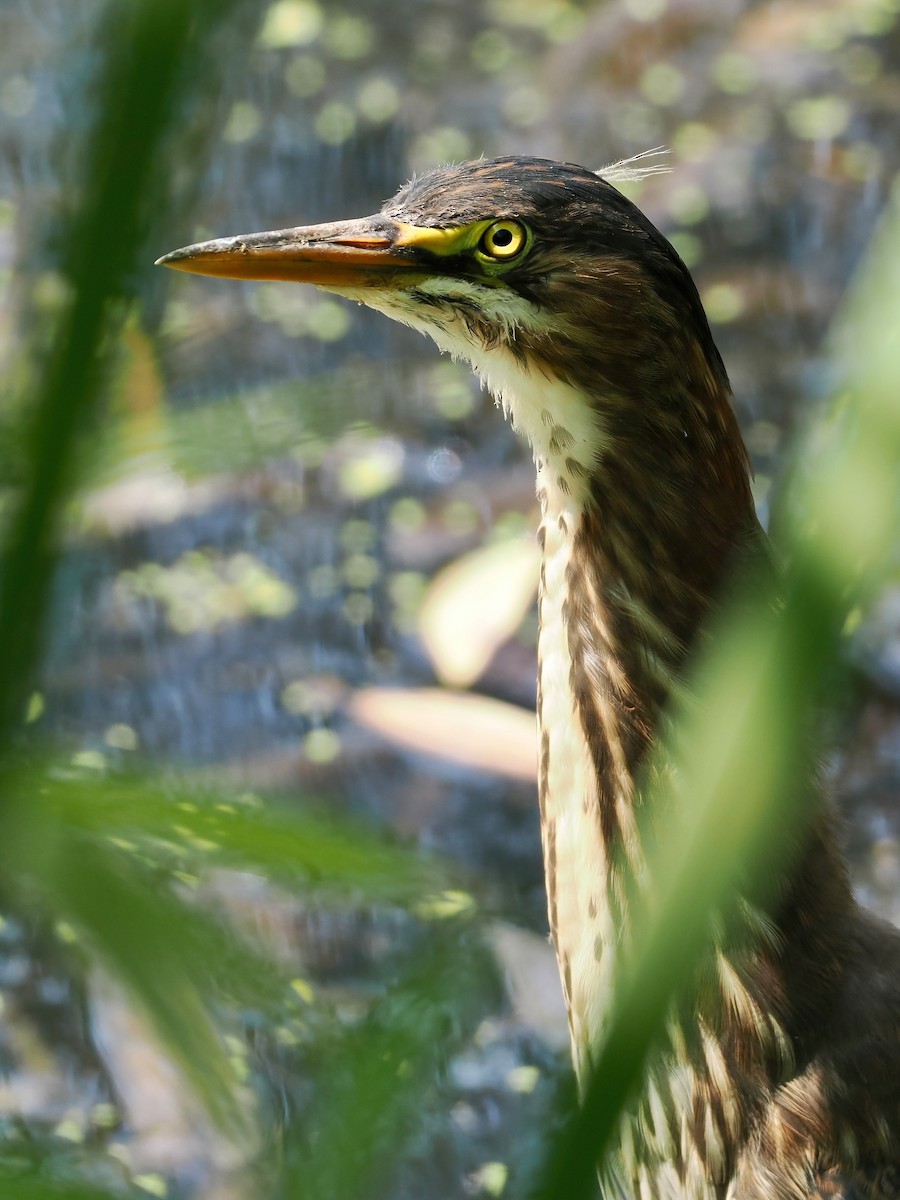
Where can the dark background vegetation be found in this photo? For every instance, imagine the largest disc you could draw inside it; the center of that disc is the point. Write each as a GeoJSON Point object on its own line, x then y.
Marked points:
{"type": "Point", "coordinates": [273, 911]}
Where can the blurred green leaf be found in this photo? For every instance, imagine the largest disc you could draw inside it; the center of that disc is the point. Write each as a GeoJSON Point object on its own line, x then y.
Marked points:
{"type": "Point", "coordinates": [74, 851]}
{"type": "Point", "coordinates": [160, 951]}
{"type": "Point", "coordinates": [231, 434]}
{"type": "Point", "coordinates": [378, 1076]}
{"type": "Point", "coordinates": [16, 1186]}
{"type": "Point", "coordinates": [148, 940]}
{"type": "Point", "coordinates": [146, 45]}
{"type": "Point", "coordinates": [217, 829]}
{"type": "Point", "coordinates": [166, 952]}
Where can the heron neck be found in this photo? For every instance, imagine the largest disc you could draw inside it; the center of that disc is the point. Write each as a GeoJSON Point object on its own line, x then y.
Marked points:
{"type": "Point", "coordinates": [636, 552]}
{"type": "Point", "coordinates": [645, 520]}
{"type": "Point", "coordinates": [629, 569]}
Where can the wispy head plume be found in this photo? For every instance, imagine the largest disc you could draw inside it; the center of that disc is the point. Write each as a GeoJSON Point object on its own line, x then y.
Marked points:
{"type": "Point", "coordinates": [634, 169]}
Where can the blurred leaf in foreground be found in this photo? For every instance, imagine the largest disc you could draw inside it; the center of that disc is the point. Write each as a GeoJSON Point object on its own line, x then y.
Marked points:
{"type": "Point", "coordinates": [83, 851]}
{"type": "Point", "coordinates": [17, 1186]}
{"type": "Point", "coordinates": [213, 828]}
{"type": "Point", "coordinates": [377, 1078]}
{"type": "Point", "coordinates": [147, 44]}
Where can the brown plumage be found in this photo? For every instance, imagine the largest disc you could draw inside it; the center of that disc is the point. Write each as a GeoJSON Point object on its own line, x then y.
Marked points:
{"type": "Point", "coordinates": [782, 1079]}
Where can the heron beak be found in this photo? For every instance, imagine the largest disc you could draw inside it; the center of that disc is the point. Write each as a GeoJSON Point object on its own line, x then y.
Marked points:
{"type": "Point", "coordinates": [368, 253]}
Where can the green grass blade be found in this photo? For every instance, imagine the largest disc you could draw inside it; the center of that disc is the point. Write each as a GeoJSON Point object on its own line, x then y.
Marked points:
{"type": "Point", "coordinates": [15, 1186]}
{"type": "Point", "coordinates": [160, 951]}
{"type": "Point", "coordinates": [294, 844]}
{"type": "Point", "coordinates": [147, 44]}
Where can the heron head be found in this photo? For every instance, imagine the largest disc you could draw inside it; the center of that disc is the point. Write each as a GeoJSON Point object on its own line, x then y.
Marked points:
{"type": "Point", "coordinates": [545, 260]}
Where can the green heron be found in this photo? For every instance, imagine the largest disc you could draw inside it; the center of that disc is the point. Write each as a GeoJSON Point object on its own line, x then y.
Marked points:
{"type": "Point", "coordinates": [587, 328]}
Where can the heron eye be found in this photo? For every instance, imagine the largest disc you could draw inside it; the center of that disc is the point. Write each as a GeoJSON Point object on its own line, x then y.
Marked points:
{"type": "Point", "coordinates": [503, 240]}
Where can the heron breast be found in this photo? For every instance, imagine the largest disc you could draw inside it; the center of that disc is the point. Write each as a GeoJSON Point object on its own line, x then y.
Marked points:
{"type": "Point", "coordinates": [574, 850]}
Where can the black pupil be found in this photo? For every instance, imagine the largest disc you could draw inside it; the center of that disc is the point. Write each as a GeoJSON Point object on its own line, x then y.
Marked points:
{"type": "Point", "coordinates": [502, 238]}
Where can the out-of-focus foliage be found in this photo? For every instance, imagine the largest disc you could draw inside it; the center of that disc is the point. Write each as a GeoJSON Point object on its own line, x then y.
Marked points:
{"type": "Point", "coordinates": [99, 858]}
{"type": "Point", "coordinates": [117, 863]}
{"type": "Point", "coordinates": [272, 420]}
